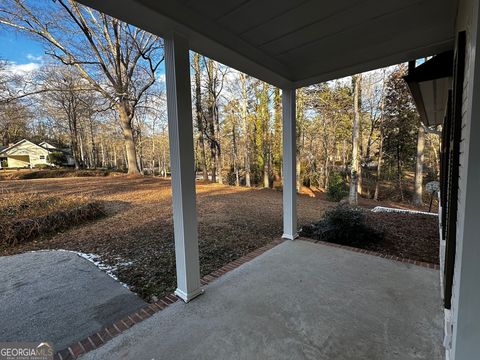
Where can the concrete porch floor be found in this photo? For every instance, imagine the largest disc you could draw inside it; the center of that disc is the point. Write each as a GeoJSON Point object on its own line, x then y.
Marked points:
{"type": "Point", "coordinates": [298, 301]}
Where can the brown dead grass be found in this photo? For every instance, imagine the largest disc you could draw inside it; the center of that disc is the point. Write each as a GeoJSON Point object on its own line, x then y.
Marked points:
{"type": "Point", "coordinates": [26, 174]}
{"type": "Point", "coordinates": [138, 229]}
{"type": "Point", "coordinates": [16, 206]}
{"type": "Point", "coordinates": [25, 216]}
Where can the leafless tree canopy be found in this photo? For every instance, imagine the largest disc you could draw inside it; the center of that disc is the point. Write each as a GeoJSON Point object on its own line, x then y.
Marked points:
{"type": "Point", "coordinates": [118, 61]}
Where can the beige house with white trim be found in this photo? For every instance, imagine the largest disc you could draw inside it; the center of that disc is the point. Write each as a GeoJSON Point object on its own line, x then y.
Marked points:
{"type": "Point", "coordinates": [24, 154]}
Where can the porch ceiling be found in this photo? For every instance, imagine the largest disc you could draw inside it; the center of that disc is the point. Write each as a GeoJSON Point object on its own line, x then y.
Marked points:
{"type": "Point", "coordinates": [298, 42]}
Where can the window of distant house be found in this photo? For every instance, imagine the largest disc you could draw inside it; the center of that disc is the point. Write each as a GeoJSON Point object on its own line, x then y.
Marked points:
{"type": "Point", "coordinates": [42, 157]}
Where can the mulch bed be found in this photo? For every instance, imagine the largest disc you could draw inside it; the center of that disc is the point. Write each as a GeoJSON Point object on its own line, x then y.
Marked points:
{"type": "Point", "coordinates": [411, 236]}
{"type": "Point", "coordinates": [408, 236]}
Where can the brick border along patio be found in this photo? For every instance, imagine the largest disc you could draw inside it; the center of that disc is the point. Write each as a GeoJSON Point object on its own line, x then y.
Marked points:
{"type": "Point", "coordinates": [110, 331]}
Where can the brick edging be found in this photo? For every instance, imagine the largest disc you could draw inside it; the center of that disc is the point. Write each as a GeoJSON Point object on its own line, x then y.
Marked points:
{"type": "Point", "coordinates": [96, 340]}
{"type": "Point", "coordinates": [374, 253]}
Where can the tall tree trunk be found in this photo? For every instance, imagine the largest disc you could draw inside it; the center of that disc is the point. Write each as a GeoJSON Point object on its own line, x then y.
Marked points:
{"type": "Point", "coordinates": [94, 146]}
{"type": "Point", "coordinates": [418, 194]}
{"type": "Point", "coordinates": [399, 173]}
{"type": "Point", "coordinates": [74, 140]}
{"type": "Point", "coordinates": [246, 129]}
{"type": "Point", "coordinates": [199, 114]}
{"type": "Point", "coordinates": [235, 156]}
{"type": "Point", "coordinates": [211, 121]}
{"type": "Point", "coordinates": [277, 134]}
{"type": "Point", "coordinates": [219, 157]}
{"type": "Point", "coordinates": [300, 136]}
{"type": "Point", "coordinates": [82, 152]}
{"type": "Point", "coordinates": [102, 149]}
{"type": "Point", "coordinates": [360, 140]}
{"type": "Point", "coordinates": [298, 166]}
{"type": "Point", "coordinates": [353, 194]}
{"type": "Point", "coordinates": [266, 178]}
{"type": "Point", "coordinates": [130, 150]}
{"type": "Point", "coordinates": [379, 166]}
{"type": "Point", "coordinates": [380, 146]}
{"type": "Point", "coordinates": [153, 155]}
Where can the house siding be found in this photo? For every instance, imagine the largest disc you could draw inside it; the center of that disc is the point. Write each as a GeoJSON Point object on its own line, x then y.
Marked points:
{"type": "Point", "coordinates": [26, 154]}
{"type": "Point", "coordinates": [18, 161]}
{"type": "Point", "coordinates": [463, 320]}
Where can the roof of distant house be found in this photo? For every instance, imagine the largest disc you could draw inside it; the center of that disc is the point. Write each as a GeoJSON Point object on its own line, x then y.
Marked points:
{"type": "Point", "coordinates": [51, 148]}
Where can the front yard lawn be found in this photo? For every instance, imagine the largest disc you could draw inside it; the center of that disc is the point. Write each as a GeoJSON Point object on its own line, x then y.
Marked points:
{"type": "Point", "coordinates": [136, 235]}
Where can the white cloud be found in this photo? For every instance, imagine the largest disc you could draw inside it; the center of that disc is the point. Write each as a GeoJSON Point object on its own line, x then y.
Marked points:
{"type": "Point", "coordinates": [34, 58]}
{"type": "Point", "coordinates": [161, 78]}
{"type": "Point", "coordinates": [22, 69]}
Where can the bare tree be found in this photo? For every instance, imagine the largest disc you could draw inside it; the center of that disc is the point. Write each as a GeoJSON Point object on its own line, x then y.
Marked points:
{"type": "Point", "coordinates": [353, 196]}
{"type": "Point", "coordinates": [14, 112]}
{"type": "Point", "coordinates": [70, 102]}
{"type": "Point", "coordinates": [199, 115]}
{"type": "Point", "coordinates": [418, 193]}
{"type": "Point", "coordinates": [215, 82]}
{"type": "Point", "coordinates": [118, 60]}
{"type": "Point", "coordinates": [246, 128]}
{"type": "Point", "coordinates": [381, 136]}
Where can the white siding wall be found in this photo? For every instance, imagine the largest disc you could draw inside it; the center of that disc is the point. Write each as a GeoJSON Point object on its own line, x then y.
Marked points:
{"type": "Point", "coordinates": [464, 319]}
{"type": "Point", "coordinates": [26, 154]}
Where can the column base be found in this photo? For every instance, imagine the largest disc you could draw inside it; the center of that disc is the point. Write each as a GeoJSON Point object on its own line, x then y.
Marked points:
{"type": "Point", "coordinates": [190, 296]}
{"type": "Point", "coordinates": [290, 237]}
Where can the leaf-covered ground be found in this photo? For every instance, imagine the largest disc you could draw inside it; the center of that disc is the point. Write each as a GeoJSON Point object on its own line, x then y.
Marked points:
{"type": "Point", "coordinates": [138, 228]}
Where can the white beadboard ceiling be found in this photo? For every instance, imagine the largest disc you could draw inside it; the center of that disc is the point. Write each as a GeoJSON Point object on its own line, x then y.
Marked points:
{"type": "Point", "coordinates": [298, 42]}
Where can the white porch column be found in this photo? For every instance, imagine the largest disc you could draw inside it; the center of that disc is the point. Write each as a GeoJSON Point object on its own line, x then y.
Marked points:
{"type": "Point", "coordinates": [180, 132]}
{"type": "Point", "coordinates": [289, 165]}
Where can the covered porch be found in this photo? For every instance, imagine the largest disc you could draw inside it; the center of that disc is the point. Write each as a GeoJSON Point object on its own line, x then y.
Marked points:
{"type": "Point", "coordinates": [315, 299]}
{"type": "Point", "coordinates": [298, 300]}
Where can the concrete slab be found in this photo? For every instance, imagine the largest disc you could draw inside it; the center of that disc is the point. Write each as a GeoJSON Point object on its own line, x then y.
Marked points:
{"type": "Point", "coordinates": [298, 301]}
{"type": "Point", "coordinates": [59, 297]}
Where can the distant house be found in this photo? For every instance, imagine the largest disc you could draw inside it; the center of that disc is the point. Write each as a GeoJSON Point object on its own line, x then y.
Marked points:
{"type": "Point", "coordinates": [26, 154]}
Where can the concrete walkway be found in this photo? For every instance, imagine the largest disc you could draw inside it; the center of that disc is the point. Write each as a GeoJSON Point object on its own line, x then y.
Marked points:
{"type": "Point", "coordinates": [59, 297]}
{"type": "Point", "coordinates": [298, 301]}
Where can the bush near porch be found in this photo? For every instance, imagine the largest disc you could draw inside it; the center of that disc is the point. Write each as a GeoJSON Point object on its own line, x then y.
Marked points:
{"type": "Point", "coordinates": [411, 236]}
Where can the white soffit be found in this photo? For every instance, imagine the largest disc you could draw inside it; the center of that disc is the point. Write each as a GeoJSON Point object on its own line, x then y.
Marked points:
{"type": "Point", "coordinates": [298, 42]}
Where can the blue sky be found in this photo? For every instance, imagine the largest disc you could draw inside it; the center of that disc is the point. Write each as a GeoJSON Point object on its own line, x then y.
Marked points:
{"type": "Point", "coordinates": [18, 48]}
{"type": "Point", "coordinates": [26, 53]}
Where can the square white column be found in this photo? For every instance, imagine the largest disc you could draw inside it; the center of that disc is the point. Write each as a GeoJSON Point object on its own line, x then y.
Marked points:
{"type": "Point", "coordinates": [180, 132]}
{"type": "Point", "coordinates": [289, 165]}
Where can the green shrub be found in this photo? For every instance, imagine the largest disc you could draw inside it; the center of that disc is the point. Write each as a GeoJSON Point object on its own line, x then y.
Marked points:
{"type": "Point", "coordinates": [344, 225]}
{"type": "Point", "coordinates": [57, 158]}
{"type": "Point", "coordinates": [337, 187]}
